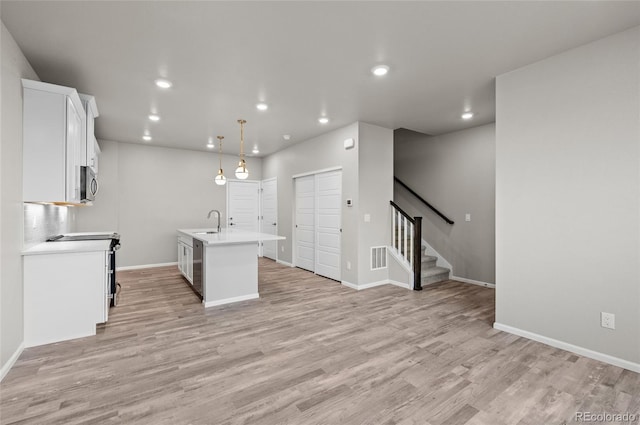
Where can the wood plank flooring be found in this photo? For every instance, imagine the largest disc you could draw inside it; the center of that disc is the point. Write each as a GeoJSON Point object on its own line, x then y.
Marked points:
{"type": "Point", "coordinates": [309, 351]}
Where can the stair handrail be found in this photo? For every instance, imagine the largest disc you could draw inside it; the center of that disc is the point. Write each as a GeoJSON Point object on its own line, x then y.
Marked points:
{"type": "Point", "coordinates": [431, 207]}
{"type": "Point", "coordinates": [406, 241]}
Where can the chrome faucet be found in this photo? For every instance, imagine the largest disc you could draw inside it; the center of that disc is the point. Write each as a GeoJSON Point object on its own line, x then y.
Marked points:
{"type": "Point", "coordinates": [217, 212]}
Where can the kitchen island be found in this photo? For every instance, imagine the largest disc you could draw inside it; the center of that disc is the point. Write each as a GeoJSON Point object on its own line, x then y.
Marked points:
{"type": "Point", "coordinates": [224, 264]}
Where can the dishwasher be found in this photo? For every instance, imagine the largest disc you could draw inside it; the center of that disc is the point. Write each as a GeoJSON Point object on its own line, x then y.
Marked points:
{"type": "Point", "coordinates": [198, 284]}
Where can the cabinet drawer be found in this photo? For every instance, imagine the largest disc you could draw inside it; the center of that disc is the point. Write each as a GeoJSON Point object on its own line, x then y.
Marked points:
{"type": "Point", "coordinates": [187, 240]}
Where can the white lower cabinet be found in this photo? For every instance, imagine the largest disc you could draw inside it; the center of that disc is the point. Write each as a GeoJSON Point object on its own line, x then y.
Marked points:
{"type": "Point", "coordinates": [65, 295]}
{"type": "Point", "coordinates": [185, 257]}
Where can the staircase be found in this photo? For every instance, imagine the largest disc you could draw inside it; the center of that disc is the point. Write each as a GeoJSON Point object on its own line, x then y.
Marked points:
{"type": "Point", "coordinates": [406, 244]}
{"type": "Point", "coordinates": [430, 272]}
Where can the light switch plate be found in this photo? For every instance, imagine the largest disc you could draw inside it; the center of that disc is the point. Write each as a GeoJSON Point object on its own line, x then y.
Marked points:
{"type": "Point", "coordinates": [367, 218]}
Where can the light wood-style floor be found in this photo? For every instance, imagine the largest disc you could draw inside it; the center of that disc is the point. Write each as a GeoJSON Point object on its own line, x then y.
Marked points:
{"type": "Point", "coordinates": [309, 351]}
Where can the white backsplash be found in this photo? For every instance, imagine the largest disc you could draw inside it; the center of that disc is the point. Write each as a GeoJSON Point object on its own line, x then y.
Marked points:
{"type": "Point", "coordinates": [43, 221]}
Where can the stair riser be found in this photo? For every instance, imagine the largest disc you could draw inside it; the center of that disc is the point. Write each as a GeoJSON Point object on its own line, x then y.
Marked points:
{"type": "Point", "coordinates": [428, 264]}
{"type": "Point", "coordinates": [435, 278]}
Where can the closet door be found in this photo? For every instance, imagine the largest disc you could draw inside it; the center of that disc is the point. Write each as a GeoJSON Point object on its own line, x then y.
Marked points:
{"type": "Point", "coordinates": [270, 216]}
{"type": "Point", "coordinates": [305, 222]}
{"type": "Point", "coordinates": [328, 224]}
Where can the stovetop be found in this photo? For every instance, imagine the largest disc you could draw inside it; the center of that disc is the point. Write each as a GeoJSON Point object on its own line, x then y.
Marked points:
{"type": "Point", "coordinates": [84, 237]}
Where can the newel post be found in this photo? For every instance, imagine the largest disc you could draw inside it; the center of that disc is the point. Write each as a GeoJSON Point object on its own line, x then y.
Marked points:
{"type": "Point", "coordinates": [417, 254]}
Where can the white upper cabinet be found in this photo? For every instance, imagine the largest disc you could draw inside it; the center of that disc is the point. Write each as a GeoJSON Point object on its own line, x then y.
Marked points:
{"type": "Point", "coordinates": [89, 150]}
{"type": "Point", "coordinates": [53, 133]}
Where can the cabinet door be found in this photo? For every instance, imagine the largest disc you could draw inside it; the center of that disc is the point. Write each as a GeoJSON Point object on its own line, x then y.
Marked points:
{"type": "Point", "coordinates": [189, 265]}
{"type": "Point", "coordinates": [181, 257]}
{"type": "Point", "coordinates": [74, 141]}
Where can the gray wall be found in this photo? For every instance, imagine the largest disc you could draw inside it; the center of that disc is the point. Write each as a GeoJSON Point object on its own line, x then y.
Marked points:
{"type": "Point", "coordinates": [375, 190]}
{"type": "Point", "coordinates": [14, 67]}
{"type": "Point", "coordinates": [148, 192]}
{"type": "Point", "coordinates": [567, 196]}
{"type": "Point", "coordinates": [367, 173]}
{"type": "Point", "coordinates": [455, 172]}
{"type": "Point", "coordinates": [319, 153]}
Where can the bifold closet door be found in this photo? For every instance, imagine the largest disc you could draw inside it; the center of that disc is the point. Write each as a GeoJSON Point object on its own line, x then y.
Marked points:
{"type": "Point", "coordinates": [305, 222]}
{"type": "Point", "coordinates": [318, 223]}
{"type": "Point", "coordinates": [328, 223]}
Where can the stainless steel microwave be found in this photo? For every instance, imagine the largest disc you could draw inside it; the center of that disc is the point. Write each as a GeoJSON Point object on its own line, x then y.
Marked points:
{"type": "Point", "coordinates": [88, 184]}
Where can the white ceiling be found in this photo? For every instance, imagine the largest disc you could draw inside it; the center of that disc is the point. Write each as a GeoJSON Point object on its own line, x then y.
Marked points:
{"type": "Point", "coordinates": [305, 59]}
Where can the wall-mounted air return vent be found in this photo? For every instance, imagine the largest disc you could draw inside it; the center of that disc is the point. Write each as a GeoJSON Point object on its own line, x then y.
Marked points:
{"type": "Point", "coordinates": [378, 257]}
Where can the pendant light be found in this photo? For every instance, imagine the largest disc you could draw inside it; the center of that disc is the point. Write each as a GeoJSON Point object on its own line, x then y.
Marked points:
{"type": "Point", "coordinates": [220, 178]}
{"type": "Point", "coordinates": [241, 172]}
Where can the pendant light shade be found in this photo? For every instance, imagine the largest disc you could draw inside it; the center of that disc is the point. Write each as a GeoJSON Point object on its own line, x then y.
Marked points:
{"type": "Point", "coordinates": [241, 172]}
{"type": "Point", "coordinates": [220, 179]}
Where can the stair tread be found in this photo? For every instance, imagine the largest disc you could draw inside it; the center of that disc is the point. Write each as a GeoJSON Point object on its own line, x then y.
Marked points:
{"type": "Point", "coordinates": [428, 258]}
{"type": "Point", "coordinates": [433, 271]}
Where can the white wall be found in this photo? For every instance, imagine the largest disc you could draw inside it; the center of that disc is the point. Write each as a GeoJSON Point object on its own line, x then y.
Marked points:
{"type": "Point", "coordinates": [148, 192]}
{"type": "Point", "coordinates": [567, 196]}
{"type": "Point", "coordinates": [14, 67]}
{"type": "Point", "coordinates": [455, 172]}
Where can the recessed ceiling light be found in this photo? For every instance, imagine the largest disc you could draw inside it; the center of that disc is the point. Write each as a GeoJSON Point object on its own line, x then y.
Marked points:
{"type": "Point", "coordinates": [255, 150]}
{"type": "Point", "coordinates": [323, 120]}
{"type": "Point", "coordinates": [380, 70]}
{"type": "Point", "coordinates": [262, 106]}
{"type": "Point", "coordinates": [146, 138]}
{"type": "Point", "coordinates": [286, 136]}
{"type": "Point", "coordinates": [163, 84]}
{"type": "Point", "coordinates": [154, 117]}
{"type": "Point", "coordinates": [467, 115]}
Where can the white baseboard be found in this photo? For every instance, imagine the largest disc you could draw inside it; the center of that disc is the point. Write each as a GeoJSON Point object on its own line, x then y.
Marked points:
{"type": "Point", "coordinates": [473, 282]}
{"type": "Point", "coordinates": [146, 266]}
{"type": "Point", "coordinates": [231, 300]}
{"type": "Point", "coordinates": [368, 285]}
{"type": "Point", "coordinates": [284, 263]}
{"type": "Point", "coordinates": [400, 284]}
{"type": "Point", "coordinates": [606, 358]}
{"type": "Point", "coordinates": [12, 360]}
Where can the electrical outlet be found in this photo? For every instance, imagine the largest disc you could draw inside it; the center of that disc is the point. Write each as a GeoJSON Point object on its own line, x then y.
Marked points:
{"type": "Point", "coordinates": [608, 320]}
{"type": "Point", "coordinates": [467, 217]}
{"type": "Point", "coordinates": [348, 265]}
{"type": "Point", "coordinates": [282, 249]}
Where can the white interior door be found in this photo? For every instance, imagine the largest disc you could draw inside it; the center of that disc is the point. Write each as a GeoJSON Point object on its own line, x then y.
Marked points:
{"type": "Point", "coordinates": [243, 205]}
{"type": "Point", "coordinates": [305, 222]}
{"type": "Point", "coordinates": [270, 216]}
{"type": "Point", "coordinates": [328, 224]}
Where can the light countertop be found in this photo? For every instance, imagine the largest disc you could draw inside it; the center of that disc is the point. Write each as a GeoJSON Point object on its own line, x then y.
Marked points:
{"type": "Point", "coordinates": [229, 236]}
{"type": "Point", "coordinates": [67, 247]}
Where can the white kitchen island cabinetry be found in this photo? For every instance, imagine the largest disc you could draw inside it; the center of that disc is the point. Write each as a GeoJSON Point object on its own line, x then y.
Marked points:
{"type": "Point", "coordinates": [66, 290]}
{"type": "Point", "coordinates": [229, 263]}
{"type": "Point", "coordinates": [185, 257]}
{"type": "Point", "coordinates": [53, 132]}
